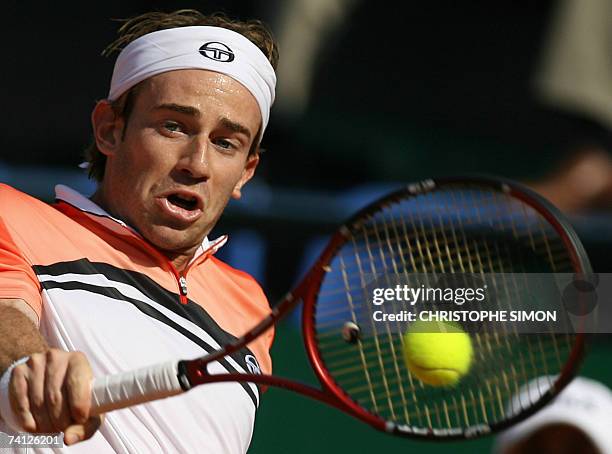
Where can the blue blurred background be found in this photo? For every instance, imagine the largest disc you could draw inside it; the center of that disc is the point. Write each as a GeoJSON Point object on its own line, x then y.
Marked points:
{"type": "Point", "coordinates": [370, 95]}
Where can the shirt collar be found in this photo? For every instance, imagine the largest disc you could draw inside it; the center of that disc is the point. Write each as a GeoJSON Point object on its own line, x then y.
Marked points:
{"type": "Point", "coordinates": [79, 201]}
{"type": "Point", "coordinates": [82, 203]}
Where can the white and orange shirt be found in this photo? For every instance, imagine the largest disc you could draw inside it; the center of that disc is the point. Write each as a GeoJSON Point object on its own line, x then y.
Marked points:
{"type": "Point", "coordinates": [98, 287]}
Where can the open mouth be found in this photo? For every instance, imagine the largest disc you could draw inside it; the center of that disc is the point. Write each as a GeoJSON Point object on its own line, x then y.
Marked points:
{"type": "Point", "coordinates": [185, 202]}
{"type": "Point", "coordinates": [185, 206]}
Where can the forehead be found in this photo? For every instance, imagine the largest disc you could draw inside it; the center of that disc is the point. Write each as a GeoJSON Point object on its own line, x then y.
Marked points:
{"type": "Point", "coordinates": [204, 90]}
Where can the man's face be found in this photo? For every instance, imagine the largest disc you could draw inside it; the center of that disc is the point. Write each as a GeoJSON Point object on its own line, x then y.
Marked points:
{"type": "Point", "coordinates": [184, 153]}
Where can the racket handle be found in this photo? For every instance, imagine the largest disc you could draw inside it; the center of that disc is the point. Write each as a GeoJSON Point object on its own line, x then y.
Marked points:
{"type": "Point", "coordinates": [114, 392]}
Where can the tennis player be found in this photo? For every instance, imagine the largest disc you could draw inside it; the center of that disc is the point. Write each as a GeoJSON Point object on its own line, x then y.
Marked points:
{"type": "Point", "coordinates": [128, 277]}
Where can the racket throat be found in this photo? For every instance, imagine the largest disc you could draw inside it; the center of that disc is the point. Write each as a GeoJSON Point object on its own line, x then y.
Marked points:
{"type": "Point", "coordinates": [187, 373]}
{"type": "Point", "coordinates": [191, 373]}
{"type": "Point", "coordinates": [183, 376]}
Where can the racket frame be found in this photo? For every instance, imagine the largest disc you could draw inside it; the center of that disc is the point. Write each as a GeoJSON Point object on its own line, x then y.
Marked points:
{"type": "Point", "coordinates": [194, 372]}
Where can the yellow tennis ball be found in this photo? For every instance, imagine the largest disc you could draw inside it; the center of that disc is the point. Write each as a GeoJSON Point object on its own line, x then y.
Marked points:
{"type": "Point", "coordinates": [437, 353]}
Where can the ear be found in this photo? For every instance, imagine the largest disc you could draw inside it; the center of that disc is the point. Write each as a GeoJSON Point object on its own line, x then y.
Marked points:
{"type": "Point", "coordinates": [247, 174]}
{"type": "Point", "coordinates": [107, 128]}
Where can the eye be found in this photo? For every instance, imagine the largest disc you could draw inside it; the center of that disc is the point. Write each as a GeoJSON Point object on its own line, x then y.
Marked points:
{"type": "Point", "coordinates": [172, 127]}
{"type": "Point", "coordinates": [226, 144]}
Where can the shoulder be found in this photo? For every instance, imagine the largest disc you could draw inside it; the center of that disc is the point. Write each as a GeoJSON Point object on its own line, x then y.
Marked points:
{"type": "Point", "coordinates": [9, 193]}
{"type": "Point", "coordinates": [14, 201]}
{"type": "Point", "coordinates": [34, 226]}
{"type": "Point", "coordinates": [240, 278]}
{"type": "Point", "coordinates": [240, 285]}
{"type": "Point", "coordinates": [20, 210]}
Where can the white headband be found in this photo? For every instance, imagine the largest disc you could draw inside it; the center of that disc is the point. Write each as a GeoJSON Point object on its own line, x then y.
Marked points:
{"type": "Point", "coordinates": [202, 47]}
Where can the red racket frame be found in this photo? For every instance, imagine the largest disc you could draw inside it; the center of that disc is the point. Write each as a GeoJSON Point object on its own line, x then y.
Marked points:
{"type": "Point", "coordinates": [306, 292]}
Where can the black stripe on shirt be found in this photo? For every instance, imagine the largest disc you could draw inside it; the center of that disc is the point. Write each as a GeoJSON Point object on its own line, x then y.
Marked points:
{"type": "Point", "coordinates": [146, 309]}
{"type": "Point", "coordinates": [190, 311]}
{"type": "Point", "coordinates": [170, 300]}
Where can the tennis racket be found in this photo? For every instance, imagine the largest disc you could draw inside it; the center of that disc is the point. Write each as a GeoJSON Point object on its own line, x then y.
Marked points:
{"type": "Point", "coordinates": [435, 227]}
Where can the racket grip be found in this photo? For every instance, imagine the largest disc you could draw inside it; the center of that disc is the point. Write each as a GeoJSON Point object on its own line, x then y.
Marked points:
{"type": "Point", "coordinates": [114, 392]}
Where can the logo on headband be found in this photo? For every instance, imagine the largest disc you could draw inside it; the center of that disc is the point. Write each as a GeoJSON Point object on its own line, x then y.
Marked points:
{"type": "Point", "coordinates": [217, 51]}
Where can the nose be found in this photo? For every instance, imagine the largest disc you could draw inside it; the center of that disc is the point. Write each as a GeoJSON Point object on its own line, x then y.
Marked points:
{"type": "Point", "coordinates": [194, 160]}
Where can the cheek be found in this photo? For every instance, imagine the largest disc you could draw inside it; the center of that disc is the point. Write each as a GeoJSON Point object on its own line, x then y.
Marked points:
{"type": "Point", "coordinates": [146, 162]}
{"type": "Point", "coordinates": [230, 175]}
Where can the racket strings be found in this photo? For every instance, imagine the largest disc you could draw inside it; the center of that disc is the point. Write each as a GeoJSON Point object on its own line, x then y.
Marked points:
{"type": "Point", "coordinates": [458, 231]}
{"type": "Point", "coordinates": [461, 256]}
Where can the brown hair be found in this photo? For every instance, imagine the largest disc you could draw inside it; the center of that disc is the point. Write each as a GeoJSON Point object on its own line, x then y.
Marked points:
{"type": "Point", "coordinates": [146, 23]}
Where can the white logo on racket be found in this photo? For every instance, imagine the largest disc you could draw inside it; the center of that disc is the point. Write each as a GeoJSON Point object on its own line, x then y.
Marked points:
{"type": "Point", "coordinates": [252, 365]}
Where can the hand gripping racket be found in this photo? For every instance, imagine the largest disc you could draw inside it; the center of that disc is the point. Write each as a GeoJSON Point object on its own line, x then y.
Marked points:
{"type": "Point", "coordinates": [435, 227]}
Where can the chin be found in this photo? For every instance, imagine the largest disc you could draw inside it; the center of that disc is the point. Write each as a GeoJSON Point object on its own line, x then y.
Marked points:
{"type": "Point", "coordinates": [171, 239]}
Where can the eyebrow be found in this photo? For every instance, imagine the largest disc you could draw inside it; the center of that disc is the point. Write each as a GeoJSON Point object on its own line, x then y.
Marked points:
{"type": "Point", "coordinates": [192, 111]}
{"type": "Point", "coordinates": [188, 110]}
{"type": "Point", "coordinates": [235, 127]}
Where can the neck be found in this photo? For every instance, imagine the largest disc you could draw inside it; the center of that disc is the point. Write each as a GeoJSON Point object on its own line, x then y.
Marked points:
{"type": "Point", "coordinates": [181, 260]}
{"type": "Point", "coordinates": [97, 198]}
